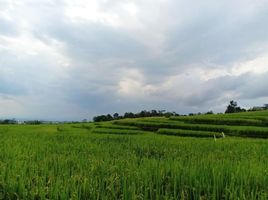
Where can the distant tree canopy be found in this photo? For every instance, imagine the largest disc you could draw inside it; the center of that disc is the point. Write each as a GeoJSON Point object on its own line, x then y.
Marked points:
{"type": "Point", "coordinates": [234, 108]}
{"type": "Point", "coordinates": [231, 108]}
{"type": "Point", "coordinates": [8, 121]}
{"type": "Point", "coordinates": [33, 122]}
{"type": "Point", "coordinates": [143, 113]}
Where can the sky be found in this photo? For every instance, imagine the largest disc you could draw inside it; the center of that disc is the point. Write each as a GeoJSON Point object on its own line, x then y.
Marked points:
{"type": "Point", "coordinates": [70, 60]}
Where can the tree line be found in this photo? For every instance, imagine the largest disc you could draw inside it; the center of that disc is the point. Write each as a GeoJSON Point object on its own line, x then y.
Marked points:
{"type": "Point", "coordinates": [8, 121]}
{"type": "Point", "coordinates": [14, 121]}
{"type": "Point", "coordinates": [143, 113]}
{"type": "Point", "coordinates": [234, 108]}
{"type": "Point", "coordinates": [231, 108]}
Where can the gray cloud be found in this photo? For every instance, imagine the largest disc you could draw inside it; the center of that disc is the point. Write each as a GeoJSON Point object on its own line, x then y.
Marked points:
{"type": "Point", "coordinates": [72, 60]}
{"type": "Point", "coordinates": [7, 28]}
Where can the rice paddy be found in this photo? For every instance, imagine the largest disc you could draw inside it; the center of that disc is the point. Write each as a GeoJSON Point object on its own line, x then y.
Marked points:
{"type": "Point", "coordinates": [147, 158]}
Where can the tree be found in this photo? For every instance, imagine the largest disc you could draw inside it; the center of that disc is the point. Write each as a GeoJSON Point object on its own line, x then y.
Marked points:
{"type": "Point", "coordinates": [102, 118]}
{"type": "Point", "coordinates": [143, 113]}
{"type": "Point", "coordinates": [109, 117]}
{"type": "Point", "coordinates": [129, 115]}
{"type": "Point", "coordinates": [233, 108]}
{"type": "Point", "coordinates": [209, 112]}
{"type": "Point", "coordinates": [116, 115]}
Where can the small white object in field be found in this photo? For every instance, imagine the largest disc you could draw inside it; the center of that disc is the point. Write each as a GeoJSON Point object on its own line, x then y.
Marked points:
{"type": "Point", "coordinates": [215, 138]}
{"type": "Point", "coordinates": [223, 135]}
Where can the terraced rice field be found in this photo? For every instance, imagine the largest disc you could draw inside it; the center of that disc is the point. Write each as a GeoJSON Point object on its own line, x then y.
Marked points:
{"type": "Point", "coordinates": [147, 158]}
{"type": "Point", "coordinates": [248, 124]}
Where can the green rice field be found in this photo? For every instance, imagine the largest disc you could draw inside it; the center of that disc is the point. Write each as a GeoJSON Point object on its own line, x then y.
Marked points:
{"type": "Point", "coordinates": [198, 157]}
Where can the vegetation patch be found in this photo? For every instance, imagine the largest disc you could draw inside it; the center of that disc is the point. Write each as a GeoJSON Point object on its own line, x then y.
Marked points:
{"type": "Point", "coordinates": [83, 126]}
{"type": "Point", "coordinates": [123, 160]}
{"type": "Point", "coordinates": [231, 130]}
{"type": "Point", "coordinates": [221, 121]}
{"type": "Point", "coordinates": [118, 131]}
{"type": "Point", "coordinates": [189, 133]}
{"type": "Point", "coordinates": [149, 125]}
{"type": "Point", "coordinates": [112, 126]}
{"type": "Point", "coordinates": [36, 163]}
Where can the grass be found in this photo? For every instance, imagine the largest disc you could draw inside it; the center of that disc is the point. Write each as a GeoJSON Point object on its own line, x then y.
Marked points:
{"type": "Point", "coordinates": [112, 126]}
{"type": "Point", "coordinates": [188, 133]}
{"type": "Point", "coordinates": [243, 131]}
{"type": "Point", "coordinates": [118, 131]}
{"type": "Point", "coordinates": [40, 162]}
{"type": "Point", "coordinates": [120, 161]}
{"type": "Point", "coordinates": [149, 125]}
{"type": "Point", "coordinates": [227, 121]}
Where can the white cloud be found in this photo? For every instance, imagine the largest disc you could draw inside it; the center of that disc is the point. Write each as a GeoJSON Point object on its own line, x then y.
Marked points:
{"type": "Point", "coordinates": [90, 11]}
{"type": "Point", "coordinates": [88, 54]}
{"type": "Point", "coordinates": [133, 85]}
{"type": "Point", "coordinates": [257, 65]}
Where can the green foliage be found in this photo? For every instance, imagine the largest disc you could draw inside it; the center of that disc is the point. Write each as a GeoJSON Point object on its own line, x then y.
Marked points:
{"type": "Point", "coordinates": [188, 133]}
{"type": "Point", "coordinates": [102, 118]}
{"type": "Point", "coordinates": [243, 131]}
{"type": "Point", "coordinates": [66, 162]}
{"type": "Point", "coordinates": [149, 125]}
{"type": "Point", "coordinates": [233, 108]}
{"type": "Point", "coordinates": [87, 126]}
{"type": "Point", "coordinates": [8, 121]}
{"type": "Point", "coordinates": [111, 126]}
{"type": "Point", "coordinates": [143, 113]}
{"type": "Point", "coordinates": [121, 160]}
{"type": "Point", "coordinates": [117, 131]}
{"type": "Point", "coordinates": [223, 121]}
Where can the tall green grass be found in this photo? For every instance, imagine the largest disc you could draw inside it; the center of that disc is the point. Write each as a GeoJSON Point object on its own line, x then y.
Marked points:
{"type": "Point", "coordinates": [112, 126]}
{"type": "Point", "coordinates": [223, 121]}
{"type": "Point", "coordinates": [243, 131]}
{"type": "Point", "coordinates": [40, 162]}
{"type": "Point", "coordinates": [189, 133]}
{"type": "Point", "coordinates": [118, 131]}
{"type": "Point", "coordinates": [149, 125]}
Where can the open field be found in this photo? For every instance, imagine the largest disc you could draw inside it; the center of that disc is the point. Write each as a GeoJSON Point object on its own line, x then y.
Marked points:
{"type": "Point", "coordinates": [137, 159]}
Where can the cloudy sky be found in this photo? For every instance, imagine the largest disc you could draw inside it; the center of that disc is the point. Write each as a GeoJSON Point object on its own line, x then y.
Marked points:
{"type": "Point", "coordinates": [69, 60]}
